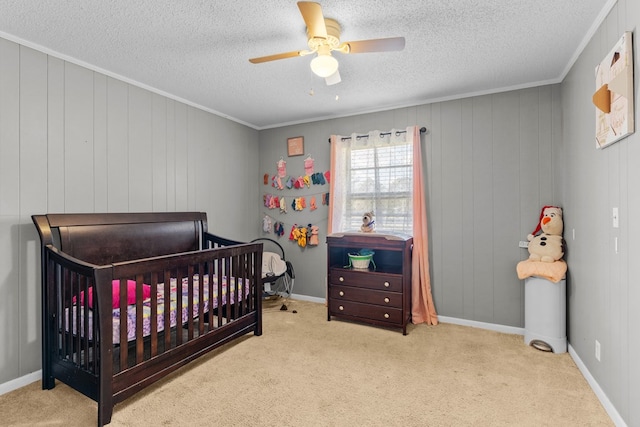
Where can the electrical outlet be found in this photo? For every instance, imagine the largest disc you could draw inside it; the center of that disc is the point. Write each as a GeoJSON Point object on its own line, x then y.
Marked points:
{"type": "Point", "coordinates": [597, 350]}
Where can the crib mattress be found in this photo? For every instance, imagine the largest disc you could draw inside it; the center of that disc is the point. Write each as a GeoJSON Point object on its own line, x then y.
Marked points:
{"type": "Point", "coordinates": [131, 311]}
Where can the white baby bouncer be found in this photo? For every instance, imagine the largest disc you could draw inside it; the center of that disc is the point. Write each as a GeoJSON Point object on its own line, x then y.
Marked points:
{"type": "Point", "coordinates": [278, 275]}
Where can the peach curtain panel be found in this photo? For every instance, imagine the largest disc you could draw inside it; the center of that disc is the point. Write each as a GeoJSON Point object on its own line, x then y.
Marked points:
{"type": "Point", "coordinates": [422, 306]}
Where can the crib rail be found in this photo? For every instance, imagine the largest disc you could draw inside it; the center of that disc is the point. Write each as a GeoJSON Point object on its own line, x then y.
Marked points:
{"type": "Point", "coordinates": [66, 353]}
{"type": "Point", "coordinates": [225, 276]}
{"type": "Point", "coordinates": [218, 289]}
{"type": "Point", "coordinates": [212, 241]}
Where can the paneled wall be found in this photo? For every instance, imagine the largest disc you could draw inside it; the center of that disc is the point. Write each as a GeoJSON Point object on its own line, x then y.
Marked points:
{"type": "Point", "coordinates": [492, 163]}
{"type": "Point", "coordinates": [489, 162]}
{"type": "Point", "coordinates": [73, 140]}
{"type": "Point", "coordinates": [604, 290]}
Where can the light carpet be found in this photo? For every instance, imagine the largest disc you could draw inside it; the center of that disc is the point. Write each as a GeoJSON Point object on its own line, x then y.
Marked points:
{"type": "Point", "coordinates": [307, 371]}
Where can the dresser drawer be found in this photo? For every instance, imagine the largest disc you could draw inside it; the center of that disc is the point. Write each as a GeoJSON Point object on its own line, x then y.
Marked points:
{"type": "Point", "coordinates": [377, 296]}
{"type": "Point", "coordinates": [350, 293]}
{"type": "Point", "coordinates": [365, 311]}
{"type": "Point", "coordinates": [366, 279]}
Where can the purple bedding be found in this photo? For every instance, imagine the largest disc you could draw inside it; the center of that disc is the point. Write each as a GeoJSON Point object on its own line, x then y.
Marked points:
{"type": "Point", "coordinates": [131, 310]}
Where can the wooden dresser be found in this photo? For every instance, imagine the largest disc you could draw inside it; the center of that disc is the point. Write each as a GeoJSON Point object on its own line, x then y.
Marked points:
{"type": "Point", "coordinates": [379, 295]}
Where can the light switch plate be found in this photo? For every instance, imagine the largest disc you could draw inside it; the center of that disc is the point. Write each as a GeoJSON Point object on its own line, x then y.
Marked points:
{"type": "Point", "coordinates": [616, 218]}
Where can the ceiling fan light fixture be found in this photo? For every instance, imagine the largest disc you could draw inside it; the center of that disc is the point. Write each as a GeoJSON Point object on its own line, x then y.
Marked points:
{"type": "Point", "coordinates": [324, 65]}
{"type": "Point", "coordinates": [323, 37]}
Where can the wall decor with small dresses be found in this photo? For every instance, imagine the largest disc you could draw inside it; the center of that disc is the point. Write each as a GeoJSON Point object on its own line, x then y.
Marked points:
{"type": "Point", "coordinates": [285, 196]}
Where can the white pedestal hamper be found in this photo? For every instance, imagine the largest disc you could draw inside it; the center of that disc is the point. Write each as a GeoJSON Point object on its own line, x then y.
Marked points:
{"type": "Point", "coordinates": [545, 321]}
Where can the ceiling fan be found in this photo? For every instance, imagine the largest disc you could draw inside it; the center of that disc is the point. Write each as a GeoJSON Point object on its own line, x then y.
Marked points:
{"type": "Point", "coordinates": [323, 38]}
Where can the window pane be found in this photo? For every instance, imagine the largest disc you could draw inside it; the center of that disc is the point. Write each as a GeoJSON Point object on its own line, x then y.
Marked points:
{"type": "Point", "coordinates": [380, 179]}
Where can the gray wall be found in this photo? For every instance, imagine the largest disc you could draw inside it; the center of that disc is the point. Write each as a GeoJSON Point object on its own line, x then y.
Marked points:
{"type": "Point", "coordinates": [492, 163]}
{"type": "Point", "coordinates": [604, 292]}
{"type": "Point", "coordinates": [73, 140]}
{"type": "Point", "coordinates": [489, 162]}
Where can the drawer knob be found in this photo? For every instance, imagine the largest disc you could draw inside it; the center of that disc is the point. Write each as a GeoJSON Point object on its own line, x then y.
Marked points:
{"type": "Point", "coordinates": [341, 279]}
{"type": "Point", "coordinates": [386, 300]}
{"type": "Point", "coordinates": [386, 284]}
{"type": "Point", "coordinates": [341, 293]}
{"type": "Point", "coordinates": [341, 308]}
{"type": "Point", "coordinates": [386, 315]}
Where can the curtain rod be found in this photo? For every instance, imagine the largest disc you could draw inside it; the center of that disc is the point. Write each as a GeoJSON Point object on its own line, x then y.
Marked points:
{"type": "Point", "coordinates": [398, 132]}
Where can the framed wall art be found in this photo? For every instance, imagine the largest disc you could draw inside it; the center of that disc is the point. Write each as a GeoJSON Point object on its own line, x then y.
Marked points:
{"type": "Point", "coordinates": [614, 94]}
{"type": "Point", "coordinates": [295, 146]}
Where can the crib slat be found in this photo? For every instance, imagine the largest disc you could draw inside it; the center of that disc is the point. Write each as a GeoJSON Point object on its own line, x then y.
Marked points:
{"type": "Point", "coordinates": [139, 319]}
{"type": "Point", "coordinates": [84, 336]}
{"type": "Point", "coordinates": [67, 336]}
{"type": "Point", "coordinates": [76, 324]}
{"type": "Point", "coordinates": [212, 299]}
{"type": "Point", "coordinates": [167, 309]}
{"type": "Point", "coordinates": [220, 275]}
{"type": "Point", "coordinates": [154, 315]}
{"type": "Point", "coordinates": [237, 281]}
{"type": "Point", "coordinates": [227, 275]}
{"type": "Point", "coordinates": [96, 340]}
{"type": "Point", "coordinates": [190, 272]}
{"type": "Point", "coordinates": [234, 270]}
{"type": "Point", "coordinates": [124, 348]}
{"type": "Point", "coordinates": [179, 278]}
{"type": "Point", "coordinates": [201, 313]}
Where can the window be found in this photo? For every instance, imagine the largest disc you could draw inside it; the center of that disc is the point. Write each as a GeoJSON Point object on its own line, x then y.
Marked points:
{"type": "Point", "coordinates": [376, 175]}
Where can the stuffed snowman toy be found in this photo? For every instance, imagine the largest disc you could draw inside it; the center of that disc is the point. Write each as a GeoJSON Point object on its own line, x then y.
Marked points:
{"type": "Point", "coordinates": [547, 246]}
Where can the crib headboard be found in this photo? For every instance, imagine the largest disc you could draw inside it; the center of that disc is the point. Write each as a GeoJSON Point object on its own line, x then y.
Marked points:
{"type": "Point", "coordinates": [105, 238]}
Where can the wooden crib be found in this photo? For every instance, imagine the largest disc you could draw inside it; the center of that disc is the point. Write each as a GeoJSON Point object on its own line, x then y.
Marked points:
{"type": "Point", "coordinates": [128, 298]}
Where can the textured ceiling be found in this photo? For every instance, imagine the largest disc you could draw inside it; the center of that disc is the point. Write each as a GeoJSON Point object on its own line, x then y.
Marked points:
{"type": "Point", "coordinates": [197, 51]}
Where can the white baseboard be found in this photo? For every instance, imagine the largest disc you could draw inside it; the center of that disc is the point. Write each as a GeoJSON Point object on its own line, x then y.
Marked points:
{"type": "Point", "coordinates": [600, 394]}
{"type": "Point", "coordinates": [482, 325]}
{"type": "Point", "coordinates": [308, 298]}
{"type": "Point", "coordinates": [20, 382]}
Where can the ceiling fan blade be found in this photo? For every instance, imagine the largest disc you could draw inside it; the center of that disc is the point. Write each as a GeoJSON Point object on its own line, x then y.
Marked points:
{"type": "Point", "coordinates": [373, 45]}
{"type": "Point", "coordinates": [312, 15]}
{"type": "Point", "coordinates": [276, 57]}
{"type": "Point", "coordinates": [333, 78]}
